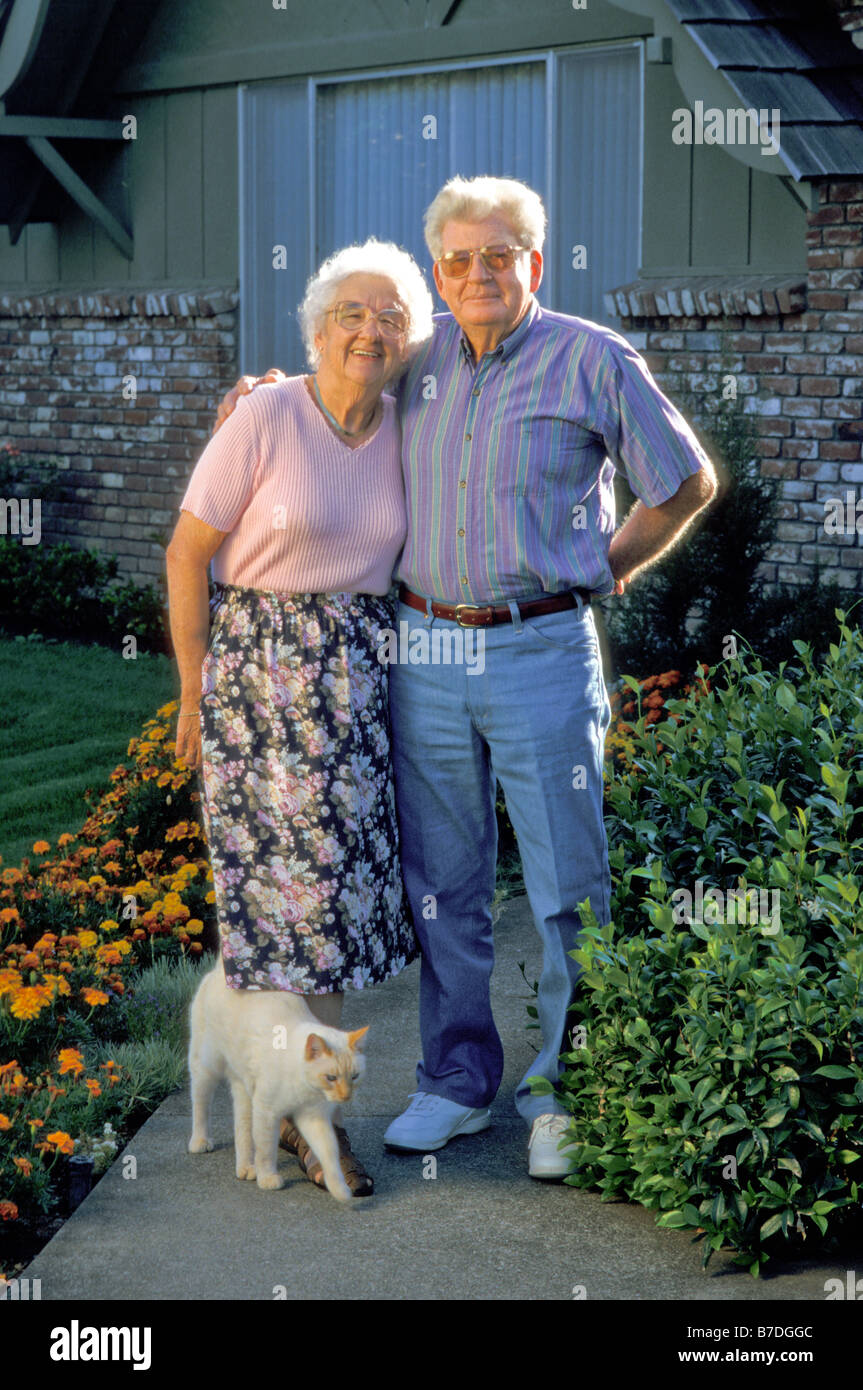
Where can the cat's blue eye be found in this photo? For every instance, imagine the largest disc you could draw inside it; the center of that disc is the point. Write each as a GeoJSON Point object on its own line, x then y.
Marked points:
{"type": "Point", "coordinates": [331, 1078]}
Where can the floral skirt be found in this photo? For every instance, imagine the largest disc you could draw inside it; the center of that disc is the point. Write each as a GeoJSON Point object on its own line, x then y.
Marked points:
{"type": "Point", "coordinates": [298, 797]}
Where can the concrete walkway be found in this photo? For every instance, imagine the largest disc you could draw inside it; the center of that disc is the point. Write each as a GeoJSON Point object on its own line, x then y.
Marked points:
{"type": "Point", "coordinates": [184, 1228]}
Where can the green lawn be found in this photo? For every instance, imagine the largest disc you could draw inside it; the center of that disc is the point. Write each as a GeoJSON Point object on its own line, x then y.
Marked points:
{"type": "Point", "coordinates": [68, 713]}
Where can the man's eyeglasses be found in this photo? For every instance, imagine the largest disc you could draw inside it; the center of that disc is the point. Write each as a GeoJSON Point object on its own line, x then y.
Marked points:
{"type": "Point", "coordinates": [348, 315]}
{"type": "Point", "coordinates": [456, 264]}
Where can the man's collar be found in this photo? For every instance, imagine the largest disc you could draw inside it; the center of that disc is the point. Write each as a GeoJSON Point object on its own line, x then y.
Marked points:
{"type": "Point", "coordinates": [513, 340]}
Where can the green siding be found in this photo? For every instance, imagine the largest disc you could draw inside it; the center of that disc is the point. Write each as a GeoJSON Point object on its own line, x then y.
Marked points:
{"type": "Point", "coordinates": [204, 42]}
{"type": "Point", "coordinates": [720, 209]}
{"type": "Point", "coordinates": [220, 226]}
{"type": "Point", "coordinates": [148, 191]}
{"type": "Point", "coordinates": [778, 220]}
{"type": "Point", "coordinates": [184, 223]}
{"type": "Point", "coordinates": [666, 232]}
{"type": "Point", "coordinates": [703, 210]}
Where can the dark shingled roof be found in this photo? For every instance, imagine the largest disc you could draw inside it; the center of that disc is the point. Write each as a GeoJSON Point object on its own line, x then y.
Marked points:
{"type": "Point", "coordinates": [790, 54]}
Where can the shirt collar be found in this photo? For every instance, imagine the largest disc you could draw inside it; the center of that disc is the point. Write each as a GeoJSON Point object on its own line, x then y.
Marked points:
{"type": "Point", "coordinates": [513, 341]}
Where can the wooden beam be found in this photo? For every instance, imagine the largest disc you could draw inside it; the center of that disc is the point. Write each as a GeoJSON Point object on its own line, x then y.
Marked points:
{"type": "Point", "coordinates": [81, 193]}
{"type": "Point", "coordinates": [64, 98]}
{"type": "Point", "coordinates": [62, 127]}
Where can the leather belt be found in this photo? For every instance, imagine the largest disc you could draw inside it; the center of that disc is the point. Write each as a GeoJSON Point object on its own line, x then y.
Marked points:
{"type": "Point", "coordinates": [488, 614]}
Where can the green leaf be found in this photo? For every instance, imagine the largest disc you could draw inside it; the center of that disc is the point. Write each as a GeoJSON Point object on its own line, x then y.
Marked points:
{"type": "Point", "coordinates": [847, 1156]}
{"type": "Point", "coordinates": [835, 1073]}
{"type": "Point", "coordinates": [771, 1226]}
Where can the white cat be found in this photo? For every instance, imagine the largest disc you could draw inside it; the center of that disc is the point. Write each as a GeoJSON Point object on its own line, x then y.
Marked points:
{"type": "Point", "coordinates": [279, 1061]}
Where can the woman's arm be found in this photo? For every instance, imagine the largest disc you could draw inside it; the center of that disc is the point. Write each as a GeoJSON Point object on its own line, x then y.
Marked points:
{"type": "Point", "coordinates": [191, 548]}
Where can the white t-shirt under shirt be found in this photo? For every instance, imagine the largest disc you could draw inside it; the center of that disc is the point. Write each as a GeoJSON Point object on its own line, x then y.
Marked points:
{"type": "Point", "coordinates": [304, 512]}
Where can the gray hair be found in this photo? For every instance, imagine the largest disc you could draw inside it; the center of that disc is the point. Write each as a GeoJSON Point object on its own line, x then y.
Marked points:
{"type": "Point", "coordinates": [374, 257]}
{"type": "Point", "coordinates": [473, 200]}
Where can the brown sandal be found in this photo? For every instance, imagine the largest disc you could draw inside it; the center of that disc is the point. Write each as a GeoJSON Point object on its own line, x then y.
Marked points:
{"type": "Point", "coordinates": [358, 1180]}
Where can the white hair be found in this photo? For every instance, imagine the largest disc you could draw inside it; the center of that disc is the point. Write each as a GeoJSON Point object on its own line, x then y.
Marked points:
{"type": "Point", "coordinates": [473, 200]}
{"type": "Point", "coordinates": [374, 257]}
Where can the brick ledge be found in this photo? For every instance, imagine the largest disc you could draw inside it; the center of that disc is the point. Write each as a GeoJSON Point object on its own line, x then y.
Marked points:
{"type": "Point", "coordinates": [710, 296]}
{"type": "Point", "coordinates": [119, 304]}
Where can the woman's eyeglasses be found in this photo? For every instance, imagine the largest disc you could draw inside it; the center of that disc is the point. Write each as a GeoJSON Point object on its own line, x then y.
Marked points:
{"type": "Point", "coordinates": [456, 264]}
{"type": "Point", "coordinates": [391, 322]}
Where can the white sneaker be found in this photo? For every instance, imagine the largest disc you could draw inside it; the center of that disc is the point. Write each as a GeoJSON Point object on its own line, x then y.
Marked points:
{"type": "Point", "coordinates": [431, 1121]}
{"type": "Point", "coordinates": [545, 1158]}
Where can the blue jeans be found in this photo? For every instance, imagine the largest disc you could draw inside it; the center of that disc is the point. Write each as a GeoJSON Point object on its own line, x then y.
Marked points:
{"type": "Point", "coordinates": [535, 719]}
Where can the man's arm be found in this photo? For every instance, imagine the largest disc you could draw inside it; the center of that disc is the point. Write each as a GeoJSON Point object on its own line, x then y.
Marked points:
{"type": "Point", "coordinates": [242, 388]}
{"type": "Point", "coordinates": [648, 532]}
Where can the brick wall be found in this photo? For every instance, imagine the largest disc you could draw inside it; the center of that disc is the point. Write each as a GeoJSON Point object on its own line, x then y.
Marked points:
{"type": "Point", "coordinates": [797, 354]}
{"type": "Point", "coordinates": [123, 387]}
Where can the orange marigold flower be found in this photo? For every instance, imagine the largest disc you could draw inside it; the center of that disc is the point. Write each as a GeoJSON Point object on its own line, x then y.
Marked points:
{"type": "Point", "coordinates": [196, 948]}
{"type": "Point", "coordinates": [654, 716]}
{"type": "Point", "coordinates": [5, 1122]}
{"type": "Point", "coordinates": [10, 914]}
{"type": "Point", "coordinates": [93, 1087]}
{"type": "Point", "coordinates": [109, 925]}
{"type": "Point", "coordinates": [24, 1166]}
{"type": "Point", "coordinates": [649, 683]}
{"type": "Point", "coordinates": [61, 1141]}
{"type": "Point", "coordinates": [31, 961]}
{"type": "Point", "coordinates": [109, 955]}
{"type": "Point", "coordinates": [194, 925]}
{"type": "Point", "coordinates": [30, 1001]}
{"type": "Point", "coordinates": [8, 1211]}
{"type": "Point", "coordinates": [65, 839]}
{"type": "Point", "coordinates": [41, 847]}
{"type": "Point", "coordinates": [94, 996]}
{"type": "Point", "coordinates": [654, 700]}
{"type": "Point", "coordinates": [10, 980]}
{"type": "Point", "coordinates": [86, 939]}
{"type": "Point", "coordinates": [71, 1060]}
{"type": "Point", "coordinates": [12, 876]}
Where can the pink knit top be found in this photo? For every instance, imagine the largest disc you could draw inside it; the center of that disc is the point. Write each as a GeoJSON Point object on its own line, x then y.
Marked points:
{"type": "Point", "coordinates": [304, 512]}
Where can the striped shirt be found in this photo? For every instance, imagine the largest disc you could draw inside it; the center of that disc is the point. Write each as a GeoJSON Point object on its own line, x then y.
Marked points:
{"type": "Point", "coordinates": [509, 462]}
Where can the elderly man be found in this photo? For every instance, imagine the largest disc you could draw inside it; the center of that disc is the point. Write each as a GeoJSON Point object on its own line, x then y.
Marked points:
{"type": "Point", "coordinates": [514, 420]}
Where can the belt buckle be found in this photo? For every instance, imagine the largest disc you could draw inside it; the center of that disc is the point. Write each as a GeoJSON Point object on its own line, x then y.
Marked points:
{"type": "Point", "coordinates": [473, 608]}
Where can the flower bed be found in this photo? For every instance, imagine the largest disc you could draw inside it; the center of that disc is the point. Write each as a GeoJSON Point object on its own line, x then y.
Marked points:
{"type": "Point", "coordinates": [77, 926]}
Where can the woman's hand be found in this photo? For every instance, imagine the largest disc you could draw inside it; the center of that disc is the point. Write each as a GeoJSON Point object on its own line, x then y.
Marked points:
{"type": "Point", "coordinates": [188, 746]}
{"type": "Point", "coordinates": [245, 384]}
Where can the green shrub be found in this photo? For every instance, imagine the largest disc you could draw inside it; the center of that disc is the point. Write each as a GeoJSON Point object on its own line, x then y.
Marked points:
{"type": "Point", "coordinates": [717, 1068]}
{"type": "Point", "coordinates": [75, 595]}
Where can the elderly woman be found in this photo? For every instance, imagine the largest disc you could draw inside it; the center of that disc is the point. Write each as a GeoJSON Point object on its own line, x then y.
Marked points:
{"type": "Point", "coordinates": [298, 501]}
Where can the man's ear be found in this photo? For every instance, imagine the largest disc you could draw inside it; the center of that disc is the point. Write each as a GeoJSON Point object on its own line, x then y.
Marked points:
{"type": "Point", "coordinates": [535, 271]}
{"type": "Point", "coordinates": [438, 279]}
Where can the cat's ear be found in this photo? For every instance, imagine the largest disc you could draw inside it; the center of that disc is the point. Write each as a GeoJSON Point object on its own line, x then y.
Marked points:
{"type": "Point", "coordinates": [357, 1040]}
{"type": "Point", "coordinates": [316, 1047]}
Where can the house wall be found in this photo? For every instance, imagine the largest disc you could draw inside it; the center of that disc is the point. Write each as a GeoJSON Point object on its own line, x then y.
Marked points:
{"type": "Point", "coordinates": [76, 317]}
{"type": "Point", "coordinates": [121, 389]}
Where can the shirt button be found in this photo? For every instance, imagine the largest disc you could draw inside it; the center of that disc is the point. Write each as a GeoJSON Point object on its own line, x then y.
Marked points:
{"type": "Point", "coordinates": [464, 579]}
{"type": "Point", "coordinates": [461, 531]}
{"type": "Point", "coordinates": [462, 483]}
{"type": "Point", "coordinates": [468, 436]}
{"type": "Point", "coordinates": [476, 392]}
